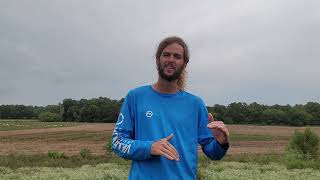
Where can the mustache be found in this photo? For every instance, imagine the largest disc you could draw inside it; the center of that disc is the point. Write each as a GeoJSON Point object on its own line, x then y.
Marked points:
{"type": "Point", "coordinates": [169, 65]}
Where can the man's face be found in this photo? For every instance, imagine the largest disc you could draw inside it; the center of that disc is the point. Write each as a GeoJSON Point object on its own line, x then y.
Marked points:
{"type": "Point", "coordinates": [171, 62]}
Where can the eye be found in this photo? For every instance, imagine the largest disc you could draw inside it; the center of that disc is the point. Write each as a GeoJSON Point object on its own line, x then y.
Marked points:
{"type": "Point", "coordinates": [165, 54]}
{"type": "Point", "coordinates": [177, 56]}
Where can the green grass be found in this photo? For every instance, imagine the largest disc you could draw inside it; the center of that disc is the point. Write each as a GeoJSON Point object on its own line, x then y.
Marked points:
{"type": "Point", "coordinates": [58, 137]}
{"type": "Point", "coordinates": [15, 161]}
{"type": "Point", "coordinates": [253, 158]}
{"type": "Point", "coordinates": [105, 171]}
{"type": "Point", "coordinates": [119, 169]}
{"type": "Point", "coordinates": [247, 137]}
{"type": "Point", "coordinates": [244, 171]}
{"type": "Point", "coordinates": [8, 125]}
{"type": "Point", "coordinates": [109, 166]}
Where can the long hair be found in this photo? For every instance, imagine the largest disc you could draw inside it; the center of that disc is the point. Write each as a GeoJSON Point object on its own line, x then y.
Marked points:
{"type": "Point", "coordinates": [168, 41]}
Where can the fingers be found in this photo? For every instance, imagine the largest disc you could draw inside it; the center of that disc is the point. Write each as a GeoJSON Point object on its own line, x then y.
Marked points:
{"type": "Point", "coordinates": [218, 125]}
{"type": "Point", "coordinates": [215, 123]}
{"type": "Point", "coordinates": [164, 148]}
{"type": "Point", "coordinates": [169, 152]}
{"type": "Point", "coordinates": [171, 146]}
{"type": "Point", "coordinates": [168, 156]}
{"type": "Point", "coordinates": [210, 118]}
{"type": "Point", "coordinates": [173, 150]}
{"type": "Point", "coordinates": [224, 129]}
{"type": "Point", "coordinates": [168, 138]}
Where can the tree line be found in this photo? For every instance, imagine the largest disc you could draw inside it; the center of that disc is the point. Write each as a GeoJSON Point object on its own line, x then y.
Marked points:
{"type": "Point", "coordinates": [254, 113]}
{"type": "Point", "coordinates": [103, 109]}
{"type": "Point", "coordinates": [84, 110]}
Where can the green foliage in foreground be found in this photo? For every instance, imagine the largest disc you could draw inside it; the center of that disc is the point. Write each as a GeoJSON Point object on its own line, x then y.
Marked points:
{"type": "Point", "coordinates": [101, 171]}
{"type": "Point", "coordinates": [303, 150]}
{"type": "Point", "coordinates": [56, 155]}
{"type": "Point", "coordinates": [305, 145]}
{"type": "Point", "coordinates": [114, 170]}
{"type": "Point", "coordinates": [239, 171]}
{"type": "Point", "coordinates": [85, 153]}
{"type": "Point", "coordinates": [109, 166]}
{"type": "Point", "coordinates": [14, 161]}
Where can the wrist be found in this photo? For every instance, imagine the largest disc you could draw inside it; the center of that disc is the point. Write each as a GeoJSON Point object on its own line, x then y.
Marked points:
{"type": "Point", "coordinates": [224, 145]}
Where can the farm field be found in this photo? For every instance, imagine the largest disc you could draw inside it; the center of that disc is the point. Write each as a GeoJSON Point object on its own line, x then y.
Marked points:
{"type": "Point", "coordinates": [92, 136]}
{"type": "Point", "coordinates": [18, 124]}
{"type": "Point", "coordinates": [255, 153]}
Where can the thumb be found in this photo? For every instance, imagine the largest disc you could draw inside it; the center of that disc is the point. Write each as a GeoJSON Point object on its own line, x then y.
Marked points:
{"type": "Point", "coordinates": [168, 138]}
{"type": "Point", "coordinates": [210, 117]}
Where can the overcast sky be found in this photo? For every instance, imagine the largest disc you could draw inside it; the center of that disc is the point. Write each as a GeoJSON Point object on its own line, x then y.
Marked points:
{"type": "Point", "coordinates": [241, 51]}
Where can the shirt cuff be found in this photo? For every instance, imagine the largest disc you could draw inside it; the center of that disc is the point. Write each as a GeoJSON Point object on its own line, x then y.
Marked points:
{"type": "Point", "coordinates": [224, 146]}
{"type": "Point", "coordinates": [148, 148]}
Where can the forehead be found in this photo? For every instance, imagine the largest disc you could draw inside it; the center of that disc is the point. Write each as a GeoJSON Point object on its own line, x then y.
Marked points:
{"type": "Point", "coordinates": [174, 48]}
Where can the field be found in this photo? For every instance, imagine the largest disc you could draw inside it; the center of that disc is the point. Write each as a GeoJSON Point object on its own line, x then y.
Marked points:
{"type": "Point", "coordinates": [255, 153]}
{"type": "Point", "coordinates": [8, 125]}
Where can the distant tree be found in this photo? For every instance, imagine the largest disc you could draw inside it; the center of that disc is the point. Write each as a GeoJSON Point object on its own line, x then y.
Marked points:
{"type": "Point", "coordinates": [238, 112]}
{"type": "Point", "coordinates": [47, 116]}
{"type": "Point", "coordinates": [70, 110]}
{"type": "Point", "coordinates": [103, 109]}
{"type": "Point", "coordinates": [218, 111]}
{"type": "Point", "coordinates": [52, 108]}
{"type": "Point", "coordinates": [274, 116]}
{"type": "Point", "coordinates": [255, 113]}
{"type": "Point", "coordinates": [299, 117]}
{"type": "Point", "coordinates": [89, 113]}
{"type": "Point", "coordinates": [313, 109]}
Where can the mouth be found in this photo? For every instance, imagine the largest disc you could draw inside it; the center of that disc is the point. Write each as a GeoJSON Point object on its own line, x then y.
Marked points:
{"type": "Point", "coordinates": [170, 67]}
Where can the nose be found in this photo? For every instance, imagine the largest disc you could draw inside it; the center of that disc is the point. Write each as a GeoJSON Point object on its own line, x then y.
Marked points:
{"type": "Point", "coordinates": [171, 58]}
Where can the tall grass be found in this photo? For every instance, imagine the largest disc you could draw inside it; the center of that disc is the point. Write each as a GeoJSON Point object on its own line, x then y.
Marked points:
{"type": "Point", "coordinates": [120, 169]}
{"type": "Point", "coordinates": [14, 161]}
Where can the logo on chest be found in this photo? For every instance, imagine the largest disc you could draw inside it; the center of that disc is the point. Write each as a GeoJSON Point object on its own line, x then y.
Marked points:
{"type": "Point", "coordinates": [149, 114]}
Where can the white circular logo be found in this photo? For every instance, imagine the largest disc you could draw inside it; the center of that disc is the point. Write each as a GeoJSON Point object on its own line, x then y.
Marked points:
{"type": "Point", "coordinates": [149, 114]}
{"type": "Point", "coordinates": [120, 119]}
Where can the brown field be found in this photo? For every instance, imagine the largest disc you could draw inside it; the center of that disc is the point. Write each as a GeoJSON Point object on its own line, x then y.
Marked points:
{"type": "Point", "coordinates": [280, 137]}
{"type": "Point", "coordinates": [271, 139]}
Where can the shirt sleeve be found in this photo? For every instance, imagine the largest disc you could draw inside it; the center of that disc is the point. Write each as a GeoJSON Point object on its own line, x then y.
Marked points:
{"type": "Point", "coordinates": [209, 144]}
{"type": "Point", "coordinates": [123, 142]}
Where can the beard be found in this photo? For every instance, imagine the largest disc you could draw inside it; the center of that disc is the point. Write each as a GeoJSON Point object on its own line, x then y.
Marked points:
{"type": "Point", "coordinates": [166, 77]}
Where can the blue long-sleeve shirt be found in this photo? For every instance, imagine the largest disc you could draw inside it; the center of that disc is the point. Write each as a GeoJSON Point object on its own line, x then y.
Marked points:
{"type": "Point", "coordinates": [147, 116]}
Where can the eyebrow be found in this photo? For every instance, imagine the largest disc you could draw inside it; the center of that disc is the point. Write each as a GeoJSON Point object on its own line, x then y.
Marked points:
{"type": "Point", "coordinates": [166, 52]}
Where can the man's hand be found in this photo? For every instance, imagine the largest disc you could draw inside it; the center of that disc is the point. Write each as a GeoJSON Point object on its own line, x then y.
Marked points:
{"type": "Point", "coordinates": [164, 148]}
{"type": "Point", "coordinates": [219, 130]}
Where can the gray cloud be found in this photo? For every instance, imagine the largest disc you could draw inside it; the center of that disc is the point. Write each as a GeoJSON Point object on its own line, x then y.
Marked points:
{"type": "Point", "coordinates": [240, 51]}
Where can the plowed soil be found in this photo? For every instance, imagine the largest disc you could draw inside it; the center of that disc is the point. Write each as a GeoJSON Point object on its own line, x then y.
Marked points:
{"type": "Point", "coordinates": [71, 140]}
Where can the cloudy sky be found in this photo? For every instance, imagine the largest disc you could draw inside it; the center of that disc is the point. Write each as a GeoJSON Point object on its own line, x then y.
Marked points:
{"type": "Point", "coordinates": [243, 51]}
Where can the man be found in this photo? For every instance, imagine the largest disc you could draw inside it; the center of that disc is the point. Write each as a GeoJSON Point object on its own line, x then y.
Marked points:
{"type": "Point", "coordinates": [160, 125]}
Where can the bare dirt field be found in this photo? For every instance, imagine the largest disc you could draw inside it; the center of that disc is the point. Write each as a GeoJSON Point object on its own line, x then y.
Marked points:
{"type": "Point", "coordinates": [94, 136]}
{"type": "Point", "coordinates": [70, 140]}
{"type": "Point", "coordinates": [280, 136]}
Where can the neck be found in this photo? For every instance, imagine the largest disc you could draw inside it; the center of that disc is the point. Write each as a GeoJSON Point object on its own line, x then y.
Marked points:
{"type": "Point", "coordinates": [164, 86]}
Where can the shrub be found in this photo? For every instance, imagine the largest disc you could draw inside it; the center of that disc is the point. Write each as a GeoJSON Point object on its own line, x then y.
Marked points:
{"type": "Point", "coordinates": [56, 155]}
{"type": "Point", "coordinates": [303, 150]}
{"type": "Point", "coordinates": [49, 117]}
{"type": "Point", "coordinates": [85, 153]}
{"type": "Point", "coordinates": [305, 145]}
